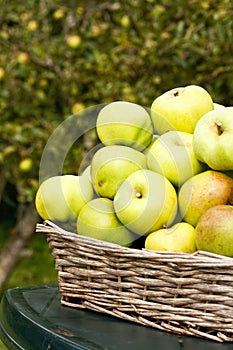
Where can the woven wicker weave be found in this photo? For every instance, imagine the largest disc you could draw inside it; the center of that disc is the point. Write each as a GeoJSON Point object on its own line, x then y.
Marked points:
{"type": "Point", "coordinates": [189, 294]}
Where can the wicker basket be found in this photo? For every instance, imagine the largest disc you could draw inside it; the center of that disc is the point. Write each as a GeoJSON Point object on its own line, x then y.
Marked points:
{"type": "Point", "coordinates": [188, 294]}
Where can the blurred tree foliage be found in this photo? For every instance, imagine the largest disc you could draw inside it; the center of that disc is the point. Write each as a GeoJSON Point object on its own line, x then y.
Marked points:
{"type": "Point", "coordinates": [58, 57]}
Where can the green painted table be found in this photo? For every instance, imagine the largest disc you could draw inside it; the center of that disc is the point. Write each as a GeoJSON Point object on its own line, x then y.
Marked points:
{"type": "Point", "coordinates": [34, 319]}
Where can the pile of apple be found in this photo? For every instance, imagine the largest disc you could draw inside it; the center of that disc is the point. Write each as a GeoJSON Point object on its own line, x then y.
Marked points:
{"type": "Point", "coordinates": [161, 177]}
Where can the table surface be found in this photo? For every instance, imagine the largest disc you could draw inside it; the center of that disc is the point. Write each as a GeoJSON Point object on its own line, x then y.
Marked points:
{"type": "Point", "coordinates": [33, 318]}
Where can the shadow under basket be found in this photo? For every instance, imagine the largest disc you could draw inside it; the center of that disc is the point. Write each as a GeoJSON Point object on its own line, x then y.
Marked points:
{"type": "Point", "coordinates": [186, 294]}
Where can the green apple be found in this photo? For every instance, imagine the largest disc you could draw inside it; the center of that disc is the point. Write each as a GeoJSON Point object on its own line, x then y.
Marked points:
{"type": "Point", "coordinates": [202, 191]}
{"type": "Point", "coordinates": [213, 139]}
{"type": "Point", "coordinates": [177, 238]}
{"type": "Point", "coordinates": [110, 165]}
{"type": "Point", "coordinates": [60, 198]}
{"type": "Point", "coordinates": [124, 123]}
{"type": "Point", "coordinates": [218, 106]}
{"type": "Point", "coordinates": [98, 220]}
{"type": "Point", "coordinates": [214, 231]}
{"type": "Point", "coordinates": [87, 172]}
{"type": "Point", "coordinates": [146, 201]}
{"type": "Point", "coordinates": [172, 155]}
{"type": "Point", "coordinates": [180, 108]}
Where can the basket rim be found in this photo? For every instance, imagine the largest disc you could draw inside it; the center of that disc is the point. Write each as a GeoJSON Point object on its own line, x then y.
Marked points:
{"type": "Point", "coordinates": [49, 227]}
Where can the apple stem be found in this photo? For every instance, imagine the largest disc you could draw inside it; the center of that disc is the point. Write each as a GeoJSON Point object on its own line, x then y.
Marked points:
{"type": "Point", "coordinates": [176, 93]}
{"type": "Point", "coordinates": [138, 195]}
{"type": "Point", "coordinates": [219, 127]}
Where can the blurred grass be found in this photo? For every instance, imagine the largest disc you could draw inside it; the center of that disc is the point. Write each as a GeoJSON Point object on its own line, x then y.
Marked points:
{"type": "Point", "coordinates": [36, 267]}
{"type": "Point", "coordinates": [2, 346]}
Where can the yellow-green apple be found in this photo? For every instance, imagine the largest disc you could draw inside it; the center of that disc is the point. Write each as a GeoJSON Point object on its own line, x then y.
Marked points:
{"type": "Point", "coordinates": [87, 172]}
{"type": "Point", "coordinates": [172, 155]}
{"type": "Point", "coordinates": [124, 123]}
{"type": "Point", "coordinates": [23, 58]}
{"type": "Point", "coordinates": [177, 238]}
{"type": "Point", "coordinates": [74, 41]}
{"type": "Point", "coordinates": [110, 165]}
{"type": "Point", "coordinates": [180, 108]}
{"type": "Point", "coordinates": [98, 220]}
{"type": "Point", "coordinates": [145, 202]}
{"type": "Point", "coordinates": [213, 139]}
{"type": "Point", "coordinates": [202, 191]}
{"type": "Point", "coordinates": [2, 73]}
{"type": "Point", "coordinates": [26, 165]}
{"type": "Point", "coordinates": [218, 106]}
{"type": "Point", "coordinates": [58, 14]}
{"type": "Point", "coordinates": [125, 21]}
{"type": "Point", "coordinates": [32, 25]}
{"type": "Point", "coordinates": [214, 231]}
{"type": "Point", "coordinates": [60, 198]}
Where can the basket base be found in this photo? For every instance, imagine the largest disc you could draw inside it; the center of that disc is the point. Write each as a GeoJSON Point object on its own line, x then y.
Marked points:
{"type": "Point", "coordinates": [172, 327]}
